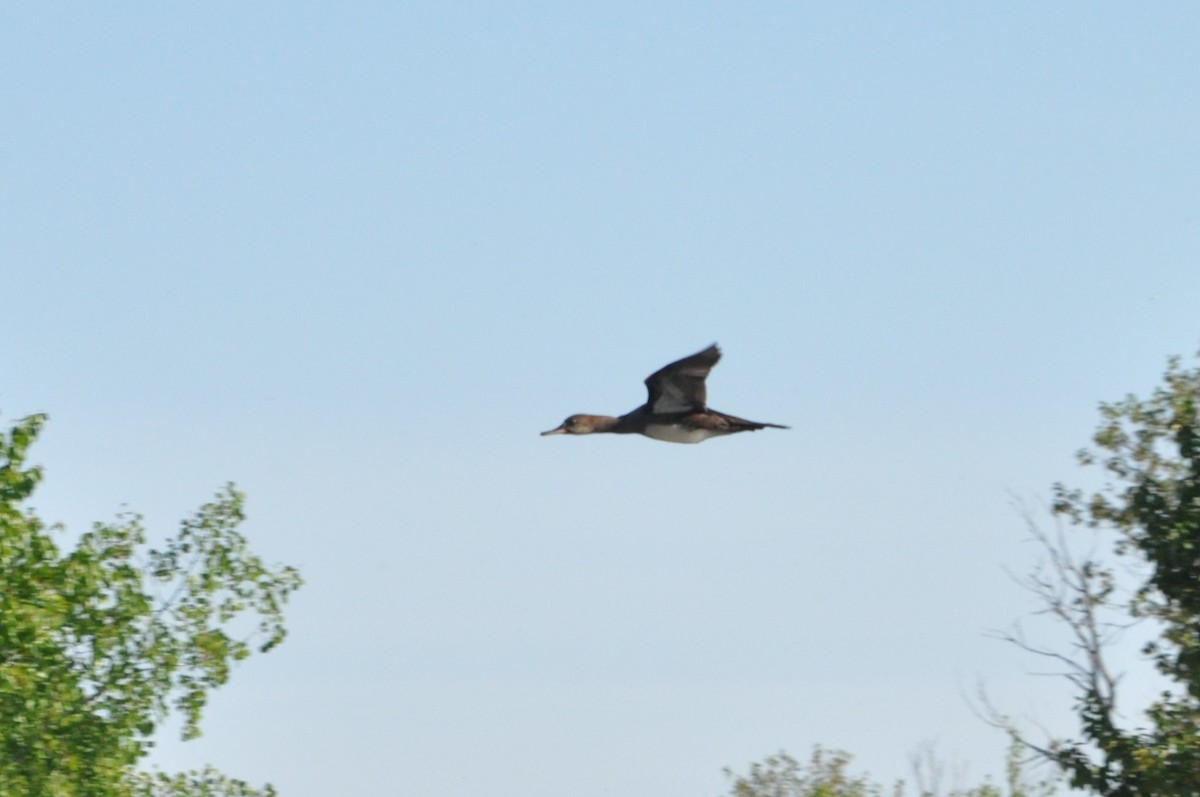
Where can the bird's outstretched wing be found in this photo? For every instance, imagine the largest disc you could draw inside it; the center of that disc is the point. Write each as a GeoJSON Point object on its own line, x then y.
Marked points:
{"type": "Point", "coordinates": [679, 387]}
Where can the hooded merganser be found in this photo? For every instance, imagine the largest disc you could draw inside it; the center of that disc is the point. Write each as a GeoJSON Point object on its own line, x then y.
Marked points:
{"type": "Point", "coordinates": [675, 411]}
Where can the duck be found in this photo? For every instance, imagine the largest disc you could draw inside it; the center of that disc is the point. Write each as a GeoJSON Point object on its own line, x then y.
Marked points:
{"type": "Point", "coordinates": [676, 410]}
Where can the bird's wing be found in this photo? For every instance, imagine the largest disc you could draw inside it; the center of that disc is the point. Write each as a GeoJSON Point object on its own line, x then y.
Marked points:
{"type": "Point", "coordinates": [679, 387]}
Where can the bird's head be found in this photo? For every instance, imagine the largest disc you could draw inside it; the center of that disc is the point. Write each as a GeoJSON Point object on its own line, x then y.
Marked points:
{"type": "Point", "coordinates": [581, 424]}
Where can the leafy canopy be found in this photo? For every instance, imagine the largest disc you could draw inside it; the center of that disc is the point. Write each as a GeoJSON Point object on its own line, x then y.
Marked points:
{"type": "Point", "coordinates": [99, 643]}
{"type": "Point", "coordinates": [827, 773]}
{"type": "Point", "coordinates": [1149, 451]}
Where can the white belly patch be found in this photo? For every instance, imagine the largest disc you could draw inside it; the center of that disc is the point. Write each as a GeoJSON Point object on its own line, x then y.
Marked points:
{"type": "Point", "coordinates": [677, 434]}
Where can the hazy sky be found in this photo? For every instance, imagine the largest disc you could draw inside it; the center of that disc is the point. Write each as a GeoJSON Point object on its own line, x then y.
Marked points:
{"type": "Point", "coordinates": [355, 256]}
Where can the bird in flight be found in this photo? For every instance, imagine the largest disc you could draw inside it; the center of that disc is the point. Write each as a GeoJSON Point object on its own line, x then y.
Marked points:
{"type": "Point", "coordinates": [676, 410]}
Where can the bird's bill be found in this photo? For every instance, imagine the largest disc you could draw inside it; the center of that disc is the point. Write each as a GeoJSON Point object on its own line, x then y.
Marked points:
{"type": "Point", "coordinates": [560, 430]}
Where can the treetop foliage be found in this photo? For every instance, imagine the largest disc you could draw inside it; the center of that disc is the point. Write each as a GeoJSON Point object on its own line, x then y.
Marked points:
{"type": "Point", "coordinates": [99, 643]}
{"type": "Point", "coordinates": [827, 773]}
{"type": "Point", "coordinates": [1149, 452]}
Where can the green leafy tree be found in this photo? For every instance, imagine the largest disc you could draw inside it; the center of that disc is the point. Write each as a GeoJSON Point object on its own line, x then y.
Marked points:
{"type": "Point", "coordinates": [1149, 453]}
{"type": "Point", "coordinates": [206, 783]}
{"type": "Point", "coordinates": [827, 774]}
{"type": "Point", "coordinates": [99, 643]}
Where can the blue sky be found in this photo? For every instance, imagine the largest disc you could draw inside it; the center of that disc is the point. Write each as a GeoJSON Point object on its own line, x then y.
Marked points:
{"type": "Point", "coordinates": [355, 256]}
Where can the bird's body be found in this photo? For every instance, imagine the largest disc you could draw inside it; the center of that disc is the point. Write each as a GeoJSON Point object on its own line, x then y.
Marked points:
{"type": "Point", "coordinates": [676, 411]}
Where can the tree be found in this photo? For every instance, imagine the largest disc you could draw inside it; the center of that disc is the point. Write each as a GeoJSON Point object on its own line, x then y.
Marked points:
{"type": "Point", "coordinates": [1149, 453]}
{"type": "Point", "coordinates": [99, 643]}
{"type": "Point", "coordinates": [827, 774]}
